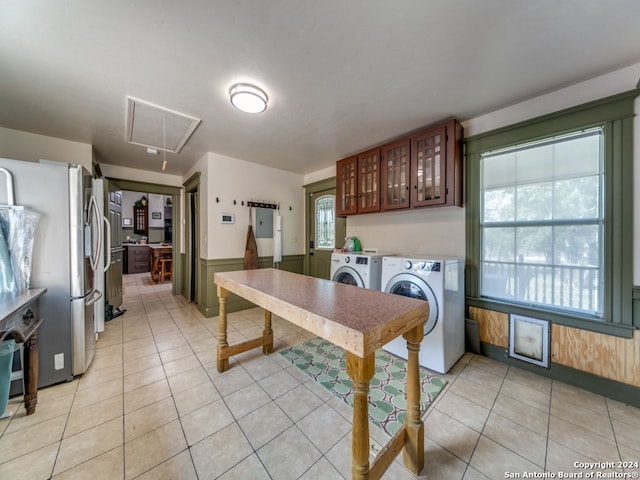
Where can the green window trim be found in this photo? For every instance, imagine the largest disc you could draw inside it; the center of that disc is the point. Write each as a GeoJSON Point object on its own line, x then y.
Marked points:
{"type": "Point", "coordinates": [615, 113]}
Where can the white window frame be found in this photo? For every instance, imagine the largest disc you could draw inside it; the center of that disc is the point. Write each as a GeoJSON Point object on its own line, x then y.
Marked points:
{"type": "Point", "coordinates": [557, 286]}
{"type": "Point", "coordinates": [332, 223]}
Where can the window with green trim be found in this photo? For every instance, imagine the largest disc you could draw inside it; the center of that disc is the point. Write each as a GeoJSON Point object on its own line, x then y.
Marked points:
{"type": "Point", "coordinates": [549, 209]}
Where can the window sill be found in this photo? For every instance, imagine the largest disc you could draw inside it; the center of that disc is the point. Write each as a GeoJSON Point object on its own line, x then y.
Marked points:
{"type": "Point", "coordinates": [607, 328]}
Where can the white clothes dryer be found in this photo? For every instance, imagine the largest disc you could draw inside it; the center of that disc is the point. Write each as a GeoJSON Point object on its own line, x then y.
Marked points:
{"type": "Point", "coordinates": [439, 281]}
{"type": "Point", "coordinates": [361, 269]}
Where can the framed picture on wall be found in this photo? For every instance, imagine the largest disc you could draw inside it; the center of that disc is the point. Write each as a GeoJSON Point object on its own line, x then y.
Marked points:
{"type": "Point", "coordinates": [156, 215]}
{"type": "Point", "coordinates": [127, 222]}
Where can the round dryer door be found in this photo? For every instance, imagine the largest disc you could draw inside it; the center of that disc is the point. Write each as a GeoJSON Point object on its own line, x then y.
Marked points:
{"type": "Point", "coordinates": [349, 276]}
{"type": "Point", "coordinates": [409, 285]}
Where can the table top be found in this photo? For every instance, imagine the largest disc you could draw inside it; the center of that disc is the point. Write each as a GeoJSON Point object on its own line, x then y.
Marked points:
{"type": "Point", "coordinates": [158, 246]}
{"type": "Point", "coordinates": [11, 303]}
{"type": "Point", "coordinates": [356, 319]}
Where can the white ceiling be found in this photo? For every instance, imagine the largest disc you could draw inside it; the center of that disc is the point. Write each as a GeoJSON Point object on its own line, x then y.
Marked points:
{"type": "Point", "coordinates": [341, 75]}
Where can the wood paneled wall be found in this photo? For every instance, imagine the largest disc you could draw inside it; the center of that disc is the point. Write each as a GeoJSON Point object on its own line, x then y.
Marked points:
{"type": "Point", "coordinates": [607, 356]}
{"type": "Point", "coordinates": [493, 326]}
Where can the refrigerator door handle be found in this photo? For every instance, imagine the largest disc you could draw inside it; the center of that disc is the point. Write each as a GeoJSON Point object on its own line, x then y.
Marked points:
{"type": "Point", "coordinates": [95, 212]}
{"type": "Point", "coordinates": [107, 244]}
{"type": "Point", "coordinates": [97, 295]}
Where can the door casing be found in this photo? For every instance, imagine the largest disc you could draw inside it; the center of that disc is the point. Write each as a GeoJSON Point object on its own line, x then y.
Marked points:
{"type": "Point", "coordinates": [318, 262]}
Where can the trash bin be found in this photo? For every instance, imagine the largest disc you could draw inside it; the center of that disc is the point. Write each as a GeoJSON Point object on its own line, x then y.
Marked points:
{"type": "Point", "coordinates": [6, 360]}
{"type": "Point", "coordinates": [472, 336]}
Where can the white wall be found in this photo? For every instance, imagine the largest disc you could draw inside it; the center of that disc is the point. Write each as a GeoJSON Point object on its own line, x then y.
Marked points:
{"type": "Point", "coordinates": [20, 145]}
{"type": "Point", "coordinates": [429, 231]}
{"type": "Point", "coordinates": [156, 204]}
{"type": "Point", "coordinates": [442, 230]}
{"type": "Point", "coordinates": [231, 179]}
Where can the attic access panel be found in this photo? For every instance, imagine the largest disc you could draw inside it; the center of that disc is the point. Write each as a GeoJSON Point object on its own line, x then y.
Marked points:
{"type": "Point", "coordinates": [157, 127]}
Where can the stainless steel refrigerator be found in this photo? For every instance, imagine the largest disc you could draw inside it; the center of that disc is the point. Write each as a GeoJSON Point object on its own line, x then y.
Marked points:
{"type": "Point", "coordinates": [66, 250]}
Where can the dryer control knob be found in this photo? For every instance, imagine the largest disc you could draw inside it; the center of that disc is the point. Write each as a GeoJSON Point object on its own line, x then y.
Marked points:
{"type": "Point", "coordinates": [422, 266]}
{"type": "Point", "coordinates": [408, 265]}
{"type": "Point", "coordinates": [347, 259]}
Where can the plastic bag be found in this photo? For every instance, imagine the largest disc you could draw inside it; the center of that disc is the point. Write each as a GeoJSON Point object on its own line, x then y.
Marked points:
{"type": "Point", "coordinates": [18, 225]}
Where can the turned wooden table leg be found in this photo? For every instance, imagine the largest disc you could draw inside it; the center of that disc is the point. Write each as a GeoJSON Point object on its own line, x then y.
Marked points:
{"type": "Point", "coordinates": [413, 454]}
{"type": "Point", "coordinates": [267, 334]}
{"type": "Point", "coordinates": [360, 370]}
{"type": "Point", "coordinates": [30, 373]}
{"type": "Point", "coordinates": [223, 363]}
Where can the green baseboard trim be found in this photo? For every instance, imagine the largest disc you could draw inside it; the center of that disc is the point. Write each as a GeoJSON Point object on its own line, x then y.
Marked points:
{"type": "Point", "coordinates": [208, 303]}
{"type": "Point", "coordinates": [621, 392]}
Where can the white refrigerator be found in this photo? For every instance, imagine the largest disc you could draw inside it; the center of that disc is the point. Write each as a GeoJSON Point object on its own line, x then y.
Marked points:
{"type": "Point", "coordinates": [66, 250]}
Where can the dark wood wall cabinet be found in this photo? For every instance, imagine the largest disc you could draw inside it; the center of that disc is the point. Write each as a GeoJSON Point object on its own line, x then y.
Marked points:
{"type": "Point", "coordinates": [421, 170]}
{"type": "Point", "coordinates": [141, 220]}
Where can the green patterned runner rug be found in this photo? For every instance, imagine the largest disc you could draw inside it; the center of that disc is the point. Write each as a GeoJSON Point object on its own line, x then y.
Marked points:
{"type": "Point", "coordinates": [325, 363]}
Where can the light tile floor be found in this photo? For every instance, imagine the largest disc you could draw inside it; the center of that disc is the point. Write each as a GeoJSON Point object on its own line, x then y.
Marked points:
{"type": "Point", "coordinates": [153, 406]}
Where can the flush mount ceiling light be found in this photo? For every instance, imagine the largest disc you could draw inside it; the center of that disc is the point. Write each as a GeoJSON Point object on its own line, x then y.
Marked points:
{"type": "Point", "coordinates": [248, 98]}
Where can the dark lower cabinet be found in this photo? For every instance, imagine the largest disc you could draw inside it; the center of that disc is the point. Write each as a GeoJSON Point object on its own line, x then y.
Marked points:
{"type": "Point", "coordinates": [137, 259]}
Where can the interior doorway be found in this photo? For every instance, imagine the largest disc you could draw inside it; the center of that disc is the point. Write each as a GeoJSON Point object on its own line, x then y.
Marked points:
{"type": "Point", "coordinates": [167, 217]}
{"type": "Point", "coordinates": [192, 236]}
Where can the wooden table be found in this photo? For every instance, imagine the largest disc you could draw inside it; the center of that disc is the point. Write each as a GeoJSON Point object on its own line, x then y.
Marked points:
{"type": "Point", "coordinates": [157, 251]}
{"type": "Point", "coordinates": [358, 320]}
{"type": "Point", "coordinates": [20, 320]}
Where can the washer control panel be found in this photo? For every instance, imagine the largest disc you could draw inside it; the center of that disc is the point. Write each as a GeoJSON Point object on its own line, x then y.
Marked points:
{"type": "Point", "coordinates": [419, 267]}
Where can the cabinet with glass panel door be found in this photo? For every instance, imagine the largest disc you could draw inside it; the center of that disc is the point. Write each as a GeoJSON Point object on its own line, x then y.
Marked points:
{"type": "Point", "coordinates": [369, 181]}
{"type": "Point", "coordinates": [358, 183]}
{"type": "Point", "coordinates": [396, 163]}
{"type": "Point", "coordinates": [346, 184]}
{"type": "Point", "coordinates": [436, 166]}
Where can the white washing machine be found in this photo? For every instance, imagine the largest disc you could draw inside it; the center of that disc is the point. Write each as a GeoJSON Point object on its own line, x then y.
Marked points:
{"type": "Point", "coordinates": [440, 281]}
{"type": "Point", "coordinates": [361, 269]}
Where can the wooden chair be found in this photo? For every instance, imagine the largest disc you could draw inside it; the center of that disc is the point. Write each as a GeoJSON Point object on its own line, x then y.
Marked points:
{"type": "Point", "coordinates": [166, 269]}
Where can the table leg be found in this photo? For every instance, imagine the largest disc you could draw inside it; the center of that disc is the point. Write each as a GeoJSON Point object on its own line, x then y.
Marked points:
{"type": "Point", "coordinates": [223, 363]}
{"type": "Point", "coordinates": [31, 373]}
{"type": "Point", "coordinates": [413, 454]}
{"type": "Point", "coordinates": [267, 334]}
{"type": "Point", "coordinates": [360, 370]}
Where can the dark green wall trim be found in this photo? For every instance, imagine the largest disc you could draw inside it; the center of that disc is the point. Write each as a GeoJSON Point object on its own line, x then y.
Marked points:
{"type": "Point", "coordinates": [620, 311]}
{"type": "Point", "coordinates": [593, 383]}
{"type": "Point", "coordinates": [635, 295]}
{"type": "Point", "coordinates": [320, 185]}
{"type": "Point", "coordinates": [618, 330]}
{"type": "Point", "coordinates": [208, 303]}
{"type": "Point", "coordinates": [588, 114]}
{"type": "Point", "coordinates": [192, 181]}
{"type": "Point", "coordinates": [135, 186]}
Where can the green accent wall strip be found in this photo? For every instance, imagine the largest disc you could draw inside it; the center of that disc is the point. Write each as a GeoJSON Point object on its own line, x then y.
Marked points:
{"type": "Point", "coordinates": [602, 386]}
{"type": "Point", "coordinates": [624, 331]}
{"type": "Point", "coordinates": [136, 186]}
{"type": "Point", "coordinates": [635, 295]}
{"type": "Point", "coordinates": [208, 302]}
